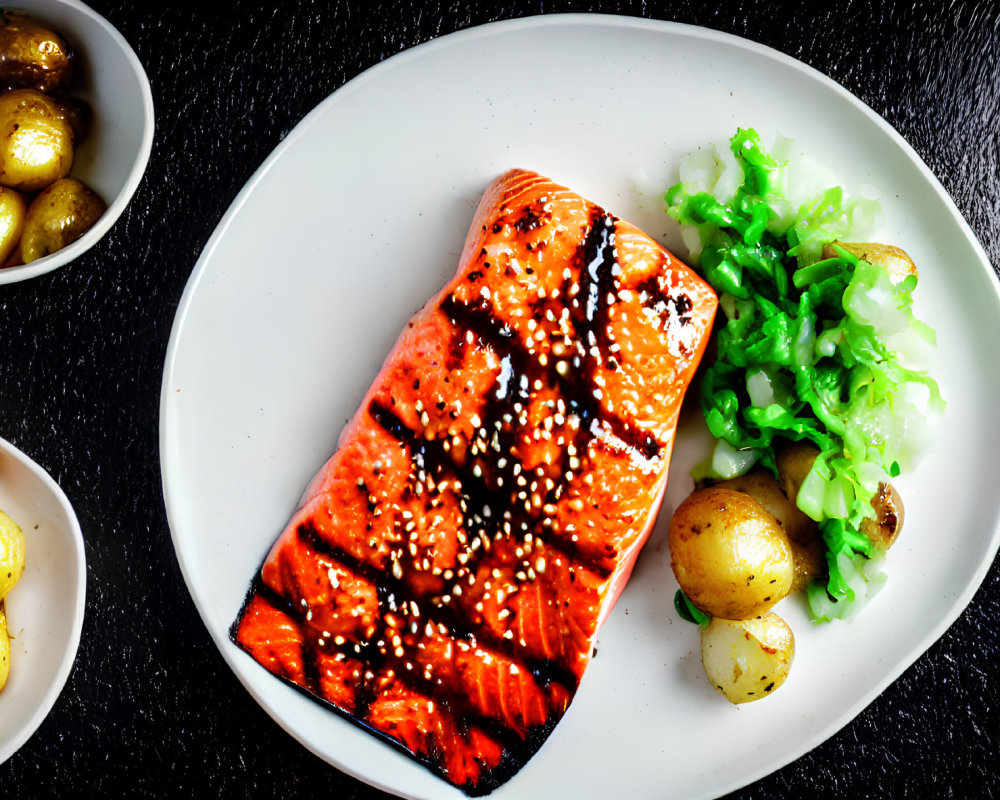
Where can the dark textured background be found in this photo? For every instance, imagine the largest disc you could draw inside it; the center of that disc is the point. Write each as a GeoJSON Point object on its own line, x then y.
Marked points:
{"type": "Point", "coordinates": [150, 709]}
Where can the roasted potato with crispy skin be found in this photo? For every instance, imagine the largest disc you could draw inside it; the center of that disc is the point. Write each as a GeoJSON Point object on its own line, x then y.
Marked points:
{"type": "Point", "coordinates": [36, 140]}
{"type": "Point", "coordinates": [60, 215]}
{"type": "Point", "coordinates": [31, 55]}
{"type": "Point", "coordinates": [12, 549]}
{"type": "Point", "coordinates": [747, 659]}
{"type": "Point", "coordinates": [884, 529]}
{"type": "Point", "coordinates": [795, 459]}
{"type": "Point", "coordinates": [12, 213]}
{"type": "Point", "coordinates": [808, 562]}
{"type": "Point", "coordinates": [893, 260]}
{"type": "Point", "coordinates": [77, 114]}
{"type": "Point", "coordinates": [730, 555]}
{"type": "Point", "coordinates": [762, 487]}
{"type": "Point", "coordinates": [808, 552]}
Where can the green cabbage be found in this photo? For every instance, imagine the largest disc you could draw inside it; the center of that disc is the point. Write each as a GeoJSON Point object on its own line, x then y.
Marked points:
{"type": "Point", "coordinates": [810, 349]}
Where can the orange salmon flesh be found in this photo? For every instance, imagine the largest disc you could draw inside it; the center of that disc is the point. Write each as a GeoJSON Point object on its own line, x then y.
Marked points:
{"type": "Point", "coordinates": [444, 577]}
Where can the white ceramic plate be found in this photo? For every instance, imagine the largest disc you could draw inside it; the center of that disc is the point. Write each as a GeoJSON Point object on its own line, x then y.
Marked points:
{"type": "Point", "coordinates": [359, 216]}
{"type": "Point", "coordinates": [113, 156]}
{"type": "Point", "coordinates": [45, 607]}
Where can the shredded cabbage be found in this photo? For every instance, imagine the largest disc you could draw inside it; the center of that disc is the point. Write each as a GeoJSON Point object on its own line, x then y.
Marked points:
{"type": "Point", "coordinates": [823, 350]}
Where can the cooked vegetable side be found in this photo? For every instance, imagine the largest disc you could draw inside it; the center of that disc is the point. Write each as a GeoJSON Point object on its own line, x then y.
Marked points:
{"type": "Point", "coordinates": [814, 397]}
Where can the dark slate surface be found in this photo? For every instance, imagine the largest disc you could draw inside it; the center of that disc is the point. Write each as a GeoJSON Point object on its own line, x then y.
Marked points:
{"type": "Point", "coordinates": [150, 709]}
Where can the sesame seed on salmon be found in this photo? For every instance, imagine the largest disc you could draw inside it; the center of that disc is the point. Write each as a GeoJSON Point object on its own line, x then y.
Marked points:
{"type": "Point", "coordinates": [444, 578]}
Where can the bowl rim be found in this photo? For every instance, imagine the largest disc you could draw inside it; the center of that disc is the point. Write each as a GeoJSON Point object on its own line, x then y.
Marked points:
{"type": "Point", "coordinates": [41, 711]}
{"type": "Point", "coordinates": [72, 251]}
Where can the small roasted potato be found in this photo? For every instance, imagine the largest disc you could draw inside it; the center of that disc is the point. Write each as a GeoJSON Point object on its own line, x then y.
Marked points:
{"type": "Point", "coordinates": [762, 487]}
{"type": "Point", "coordinates": [77, 114]}
{"type": "Point", "coordinates": [809, 562]}
{"type": "Point", "coordinates": [884, 529]}
{"type": "Point", "coordinates": [794, 460]}
{"type": "Point", "coordinates": [36, 140]}
{"type": "Point", "coordinates": [12, 549]}
{"type": "Point", "coordinates": [4, 647]}
{"type": "Point", "coordinates": [60, 215]}
{"type": "Point", "coordinates": [893, 260]}
{"type": "Point", "coordinates": [12, 214]}
{"type": "Point", "coordinates": [808, 559]}
{"type": "Point", "coordinates": [31, 55]}
{"type": "Point", "coordinates": [730, 555]}
{"type": "Point", "coordinates": [747, 659]}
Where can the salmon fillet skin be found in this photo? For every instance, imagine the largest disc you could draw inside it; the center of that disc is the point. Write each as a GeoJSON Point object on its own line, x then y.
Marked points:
{"type": "Point", "coordinates": [445, 575]}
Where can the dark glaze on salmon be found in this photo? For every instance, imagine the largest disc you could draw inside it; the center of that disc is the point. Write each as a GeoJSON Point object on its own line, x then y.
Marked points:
{"type": "Point", "coordinates": [444, 578]}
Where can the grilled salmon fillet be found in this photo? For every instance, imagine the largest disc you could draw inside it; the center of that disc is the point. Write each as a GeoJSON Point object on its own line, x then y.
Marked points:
{"type": "Point", "coordinates": [444, 578]}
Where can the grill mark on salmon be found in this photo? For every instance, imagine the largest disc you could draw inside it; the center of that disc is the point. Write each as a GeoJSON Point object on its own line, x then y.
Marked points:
{"type": "Point", "coordinates": [507, 719]}
{"type": "Point", "coordinates": [481, 489]}
{"type": "Point", "coordinates": [544, 669]}
{"type": "Point", "coordinates": [368, 700]}
{"type": "Point", "coordinates": [445, 575]}
{"type": "Point", "coordinates": [491, 332]}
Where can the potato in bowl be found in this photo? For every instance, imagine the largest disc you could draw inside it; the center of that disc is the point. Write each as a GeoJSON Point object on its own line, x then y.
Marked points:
{"type": "Point", "coordinates": [108, 79]}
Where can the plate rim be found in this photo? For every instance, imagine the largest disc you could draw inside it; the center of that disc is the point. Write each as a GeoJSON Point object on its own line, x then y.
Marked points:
{"type": "Point", "coordinates": [229, 651]}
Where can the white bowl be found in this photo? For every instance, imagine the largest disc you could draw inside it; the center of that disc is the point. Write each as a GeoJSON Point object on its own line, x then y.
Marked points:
{"type": "Point", "coordinates": [45, 607]}
{"type": "Point", "coordinates": [114, 154]}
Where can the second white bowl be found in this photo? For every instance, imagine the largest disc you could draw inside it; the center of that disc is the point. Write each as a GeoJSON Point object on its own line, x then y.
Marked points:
{"type": "Point", "coordinates": [45, 608]}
